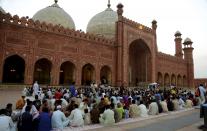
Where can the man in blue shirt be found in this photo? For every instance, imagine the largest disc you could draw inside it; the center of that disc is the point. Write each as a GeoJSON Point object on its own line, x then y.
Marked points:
{"type": "Point", "coordinates": [73, 90]}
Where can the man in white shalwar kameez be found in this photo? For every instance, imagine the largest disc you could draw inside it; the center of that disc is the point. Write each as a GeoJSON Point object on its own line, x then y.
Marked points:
{"type": "Point", "coordinates": [134, 110]}
{"type": "Point", "coordinates": [143, 110]}
{"type": "Point", "coordinates": [36, 88]}
{"type": "Point", "coordinates": [59, 121]}
{"type": "Point", "coordinates": [6, 123]}
{"type": "Point", "coordinates": [76, 117]}
{"type": "Point", "coordinates": [153, 108]}
{"type": "Point", "coordinates": [107, 118]}
{"type": "Point", "coordinates": [164, 105]}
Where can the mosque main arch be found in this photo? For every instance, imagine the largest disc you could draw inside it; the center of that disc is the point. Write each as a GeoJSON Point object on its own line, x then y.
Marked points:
{"type": "Point", "coordinates": [140, 63]}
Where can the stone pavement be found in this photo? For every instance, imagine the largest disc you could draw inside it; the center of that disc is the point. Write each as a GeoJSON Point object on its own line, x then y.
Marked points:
{"type": "Point", "coordinates": [176, 123]}
{"type": "Point", "coordinates": [178, 120]}
{"type": "Point", "coordinates": [9, 96]}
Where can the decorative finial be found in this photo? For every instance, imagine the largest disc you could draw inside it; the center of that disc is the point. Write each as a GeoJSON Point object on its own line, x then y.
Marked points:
{"type": "Point", "coordinates": [154, 25]}
{"type": "Point", "coordinates": [120, 9]}
{"type": "Point", "coordinates": [109, 4]}
{"type": "Point", "coordinates": [56, 1]}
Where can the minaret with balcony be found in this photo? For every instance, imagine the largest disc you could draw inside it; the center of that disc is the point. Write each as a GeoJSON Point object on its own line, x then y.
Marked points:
{"type": "Point", "coordinates": [188, 57]}
{"type": "Point", "coordinates": [178, 44]}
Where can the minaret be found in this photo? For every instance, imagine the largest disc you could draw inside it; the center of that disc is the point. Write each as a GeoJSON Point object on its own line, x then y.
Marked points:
{"type": "Point", "coordinates": [119, 51]}
{"type": "Point", "coordinates": [178, 44]}
{"type": "Point", "coordinates": [188, 56]}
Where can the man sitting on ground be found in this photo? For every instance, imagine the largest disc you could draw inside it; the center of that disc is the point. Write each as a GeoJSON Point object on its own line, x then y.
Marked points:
{"type": "Point", "coordinates": [20, 103]}
{"type": "Point", "coordinates": [107, 118]}
{"type": "Point", "coordinates": [134, 110]}
{"type": "Point", "coordinates": [76, 117]}
{"type": "Point", "coordinates": [153, 108]}
{"type": "Point", "coordinates": [59, 121]}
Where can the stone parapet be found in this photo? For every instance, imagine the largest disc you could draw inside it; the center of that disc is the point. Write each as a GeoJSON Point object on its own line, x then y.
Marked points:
{"type": "Point", "coordinates": [137, 25]}
{"type": "Point", "coordinates": [57, 29]}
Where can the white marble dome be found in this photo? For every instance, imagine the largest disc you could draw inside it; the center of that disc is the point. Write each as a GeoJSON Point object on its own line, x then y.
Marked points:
{"type": "Point", "coordinates": [177, 33]}
{"type": "Point", "coordinates": [55, 15]}
{"type": "Point", "coordinates": [2, 10]}
{"type": "Point", "coordinates": [187, 40]}
{"type": "Point", "coordinates": [103, 24]}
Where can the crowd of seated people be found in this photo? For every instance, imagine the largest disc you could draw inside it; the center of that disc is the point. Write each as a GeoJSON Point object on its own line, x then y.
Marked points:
{"type": "Point", "coordinates": [57, 108]}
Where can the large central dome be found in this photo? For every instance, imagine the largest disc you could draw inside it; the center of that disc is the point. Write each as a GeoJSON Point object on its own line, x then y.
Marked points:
{"type": "Point", "coordinates": [55, 15]}
{"type": "Point", "coordinates": [104, 23]}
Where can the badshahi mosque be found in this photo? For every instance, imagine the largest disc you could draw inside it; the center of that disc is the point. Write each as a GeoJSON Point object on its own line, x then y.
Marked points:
{"type": "Point", "coordinates": [114, 49]}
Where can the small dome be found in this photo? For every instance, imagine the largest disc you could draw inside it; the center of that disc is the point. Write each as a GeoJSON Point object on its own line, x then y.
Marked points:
{"type": "Point", "coordinates": [154, 22]}
{"type": "Point", "coordinates": [177, 33]}
{"type": "Point", "coordinates": [187, 40]}
{"type": "Point", "coordinates": [55, 15]}
{"type": "Point", "coordinates": [2, 10]}
{"type": "Point", "coordinates": [104, 23]}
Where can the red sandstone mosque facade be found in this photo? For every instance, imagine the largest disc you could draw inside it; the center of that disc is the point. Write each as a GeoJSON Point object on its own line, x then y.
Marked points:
{"type": "Point", "coordinates": [115, 50]}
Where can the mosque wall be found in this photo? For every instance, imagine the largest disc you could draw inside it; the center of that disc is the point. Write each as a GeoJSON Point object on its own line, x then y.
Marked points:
{"type": "Point", "coordinates": [32, 44]}
{"type": "Point", "coordinates": [173, 67]}
{"type": "Point", "coordinates": [199, 81]}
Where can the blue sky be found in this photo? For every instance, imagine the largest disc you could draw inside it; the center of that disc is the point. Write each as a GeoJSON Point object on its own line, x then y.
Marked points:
{"type": "Point", "coordinates": [187, 16]}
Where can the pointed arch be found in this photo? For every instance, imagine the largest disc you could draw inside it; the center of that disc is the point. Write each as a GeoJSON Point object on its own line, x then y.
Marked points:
{"type": "Point", "coordinates": [179, 81]}
{"type": "Point", "coordinates": [106, 75]}
{"type": "Point", "coordinates": [42, 71]}
{"type": "Point", "coordinates": [185, 81]}
{"type": "Point", "coordinates": [166, 80]}
{"type": "Point", "coordinates": [88, 74]}
{"type": "Point", "coordinates": [140, 63]}
{"type": "Point", "coordinates": [173, 80]}
{"type": "Point", "coordinates": [160, 78]}
{"type": "Point", "coordinates": [13, 69]}
{"type": "Point", "coordinates": [67, 73]}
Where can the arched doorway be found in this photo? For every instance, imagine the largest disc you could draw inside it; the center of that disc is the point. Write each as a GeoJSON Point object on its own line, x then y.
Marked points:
{"type": "Point", "coordinates": [179, 81]}
{"type": "Point", "coordinates": [185, 81]}
{"type": "Point", "coordinates": [67, 73]}
{"type": "Point", "coordinates": [42, 71]}
{"type": "Point", "coordinates": [88, 74]}
{"type": "Point", "coordinates": [140, 64]}
{"type": "Point", "coordinates": [13, 72]}
{"type": "Point", "coordinates": [159, 79]}
{"type": "Point", "coordinates": [167, 80]}
{"type": "Point", "coordinates": [173, 80]}
{"type": "Point", "coordinates": [105, 75]}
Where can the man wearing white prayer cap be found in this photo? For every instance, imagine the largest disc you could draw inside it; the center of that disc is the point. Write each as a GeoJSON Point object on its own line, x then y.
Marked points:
{"type": "Point", "coordinates": [59, 120]}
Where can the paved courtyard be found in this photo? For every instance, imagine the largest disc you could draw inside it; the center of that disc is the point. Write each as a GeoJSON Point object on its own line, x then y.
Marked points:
{"type": "Point", "coordinates": [174, 121]}
{"type": "Point", "coordinates": [9, 96]}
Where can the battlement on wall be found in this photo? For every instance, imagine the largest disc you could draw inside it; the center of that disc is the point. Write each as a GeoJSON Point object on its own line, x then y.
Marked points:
{"type": "Point", "coordinates": [169, 57]}
{"type": "Point", "coordinates": [57, 29]}
{"type": "Point", "coordinates": [137, 25]}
